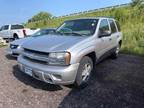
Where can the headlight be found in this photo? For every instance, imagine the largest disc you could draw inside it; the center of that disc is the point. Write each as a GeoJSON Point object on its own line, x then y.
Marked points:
{"type": "Point", "coordinates": [61, 58]}
{"type": "Point", "coordinates": [19, 47]}
{"type": "Point", "coordinates": [14, 46]}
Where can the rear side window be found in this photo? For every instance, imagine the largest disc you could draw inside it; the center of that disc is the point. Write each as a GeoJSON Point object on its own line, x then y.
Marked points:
{"type": "Point", "coordinates": [17, 27]}
{"type": "Point", "coordinates": [118, 26]}
{"type": "Point", "coordinates": [6, 27]}
{"type": "Point", "coordinates": [113, 26]}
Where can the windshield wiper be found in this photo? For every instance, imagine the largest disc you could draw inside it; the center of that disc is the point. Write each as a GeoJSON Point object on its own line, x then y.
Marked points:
{"type": "Point", "coordinates": [74, 33]}
{"type": "Point", "coordinates": [68, 33]}
{"type": "Point", "coordinates": [57, 32]}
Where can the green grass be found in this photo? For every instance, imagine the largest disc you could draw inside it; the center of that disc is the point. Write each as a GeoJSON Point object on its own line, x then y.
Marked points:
{"type": "Point", "coordinates": [133, 40]}
{"type": "Point", "coordinates": [2, 45]}
{"type": "Point", "coordinates": [131, 21]}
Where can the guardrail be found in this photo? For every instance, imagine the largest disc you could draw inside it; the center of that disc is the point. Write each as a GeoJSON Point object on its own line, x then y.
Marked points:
{"type": "Point", "coordinates": [84, 12]}
{"type": "Point", "coordinates": [94, 10]}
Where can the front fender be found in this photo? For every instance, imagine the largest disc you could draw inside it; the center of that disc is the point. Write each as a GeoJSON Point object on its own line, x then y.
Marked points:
{"type": "Point", "coordinates": [77, 56]}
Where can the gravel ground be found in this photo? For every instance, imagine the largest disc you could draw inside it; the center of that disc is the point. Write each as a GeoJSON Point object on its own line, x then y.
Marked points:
{"type": "Point", "coordinates": [115, 84]}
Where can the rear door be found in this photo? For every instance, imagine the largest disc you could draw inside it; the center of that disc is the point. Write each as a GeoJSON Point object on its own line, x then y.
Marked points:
{"type": "Point", "coordinates": [114, 33]}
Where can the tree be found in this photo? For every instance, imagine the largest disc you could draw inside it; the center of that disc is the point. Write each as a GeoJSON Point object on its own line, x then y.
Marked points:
{"type": "Point", "coordinates": [40, 16]}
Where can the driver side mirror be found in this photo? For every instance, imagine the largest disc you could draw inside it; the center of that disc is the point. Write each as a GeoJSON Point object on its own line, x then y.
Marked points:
{"type": "Point", "coordinates": [104, 33]}
{"type": "Point", "coordinates": [53, 31]}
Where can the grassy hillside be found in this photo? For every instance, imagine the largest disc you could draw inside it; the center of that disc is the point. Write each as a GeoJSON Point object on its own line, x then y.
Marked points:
{"type": "Point", "coordinates": [131, 21]}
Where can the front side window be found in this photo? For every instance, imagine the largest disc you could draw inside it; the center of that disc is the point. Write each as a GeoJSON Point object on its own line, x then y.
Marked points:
{"type": "Point", "coordinates": [81, 27]}
{"type": "Point", "coordinates": [113, 26]}
{"type": "Point", "coordinates": [17, 27]}
{"type": "Point", "coordinates": [104, 27]}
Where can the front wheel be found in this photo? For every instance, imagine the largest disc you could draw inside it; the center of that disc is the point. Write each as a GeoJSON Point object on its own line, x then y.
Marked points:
{"type": "Point", "coordinates": [84, 71]}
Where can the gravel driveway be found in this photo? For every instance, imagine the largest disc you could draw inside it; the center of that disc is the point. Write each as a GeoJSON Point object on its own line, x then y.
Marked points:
{"type": "Point", "coordinates": [115, 84]}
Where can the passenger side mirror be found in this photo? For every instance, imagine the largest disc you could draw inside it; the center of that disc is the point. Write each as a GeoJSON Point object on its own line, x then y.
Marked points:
{"type": "Point", "coordinates": [104, 33]}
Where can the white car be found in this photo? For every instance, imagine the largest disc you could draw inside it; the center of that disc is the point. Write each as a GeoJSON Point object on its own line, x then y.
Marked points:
{"type": "Point", "coordinates": [15, 46]}
{"type": "Point", "coordinates": [15, 31]}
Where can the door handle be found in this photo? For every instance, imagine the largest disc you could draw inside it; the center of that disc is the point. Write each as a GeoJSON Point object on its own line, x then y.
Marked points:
{"type": "Point", "coordinates": [110, 39]}
{"type": "Point", "coordinates": [118, 36]}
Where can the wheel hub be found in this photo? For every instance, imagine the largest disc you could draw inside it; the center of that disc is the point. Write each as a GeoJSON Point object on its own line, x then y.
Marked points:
{"type": "Point", "coordinates": [86, 72]}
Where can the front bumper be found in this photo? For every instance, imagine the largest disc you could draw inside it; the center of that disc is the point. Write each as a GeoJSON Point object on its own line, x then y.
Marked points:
{"type": "Point", "coordinates": [61, 75]}
{"type": "Point", "coordinates": [13, 52]}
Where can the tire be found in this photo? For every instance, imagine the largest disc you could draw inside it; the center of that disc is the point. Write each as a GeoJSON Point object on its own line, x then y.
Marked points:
{"type": "Point", "coordinates": [84, 72]}
{"type": "Point", "coordinates": [116, 53]}
{"type": "Point", "coordinates": [15, 37]}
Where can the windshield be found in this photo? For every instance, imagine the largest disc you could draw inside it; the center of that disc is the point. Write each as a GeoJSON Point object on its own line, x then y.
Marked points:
{"type": "Point", "coordinates": [43, 32]}
{"type": "Point", "coordinates": [80, 27]}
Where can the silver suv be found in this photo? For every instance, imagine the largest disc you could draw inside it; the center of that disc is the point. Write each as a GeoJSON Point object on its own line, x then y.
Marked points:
{"type": "Point", "coordinates": [69, 55]}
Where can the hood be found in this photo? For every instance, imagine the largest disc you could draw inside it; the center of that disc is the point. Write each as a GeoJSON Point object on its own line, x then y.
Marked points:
{"type": "Point", "coordinates": [53, 43]}
{"type": "Point", "coordinates": [21, 41]}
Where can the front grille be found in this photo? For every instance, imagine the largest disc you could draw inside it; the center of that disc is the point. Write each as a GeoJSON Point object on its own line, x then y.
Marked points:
{"type": "Point", "coordinates": [37, 53]}
{"type": "Point", "coordinates": [35, 56]}
{"type": "Point", "coordinates": [35, 61]}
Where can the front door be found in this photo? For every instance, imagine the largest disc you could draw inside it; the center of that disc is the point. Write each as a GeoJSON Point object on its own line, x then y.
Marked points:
{"type": "Point", "coordinates": [104, 38]}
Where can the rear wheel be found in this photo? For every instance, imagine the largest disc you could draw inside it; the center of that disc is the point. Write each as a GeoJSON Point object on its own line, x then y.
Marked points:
{"type": "Point", "coordinates": [84, 72]}
{"type": "Point", "coordinates": [116, 53]}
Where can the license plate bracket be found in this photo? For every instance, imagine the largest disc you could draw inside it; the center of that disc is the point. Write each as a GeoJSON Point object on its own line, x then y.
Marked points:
{"type": "Point", "coordinates": [28, 70]}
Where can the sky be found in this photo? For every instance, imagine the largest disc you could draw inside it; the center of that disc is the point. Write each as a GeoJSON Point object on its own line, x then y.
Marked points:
{"type": "Point", "coordinates": [19, 11]}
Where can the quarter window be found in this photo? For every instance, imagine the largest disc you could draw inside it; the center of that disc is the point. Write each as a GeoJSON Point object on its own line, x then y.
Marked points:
{"type": "Point", "coordinates": [118, 26]}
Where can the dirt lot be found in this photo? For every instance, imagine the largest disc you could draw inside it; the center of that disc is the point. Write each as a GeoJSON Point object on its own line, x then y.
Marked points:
{"type": "Point", "coordinates": [115, 84]}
